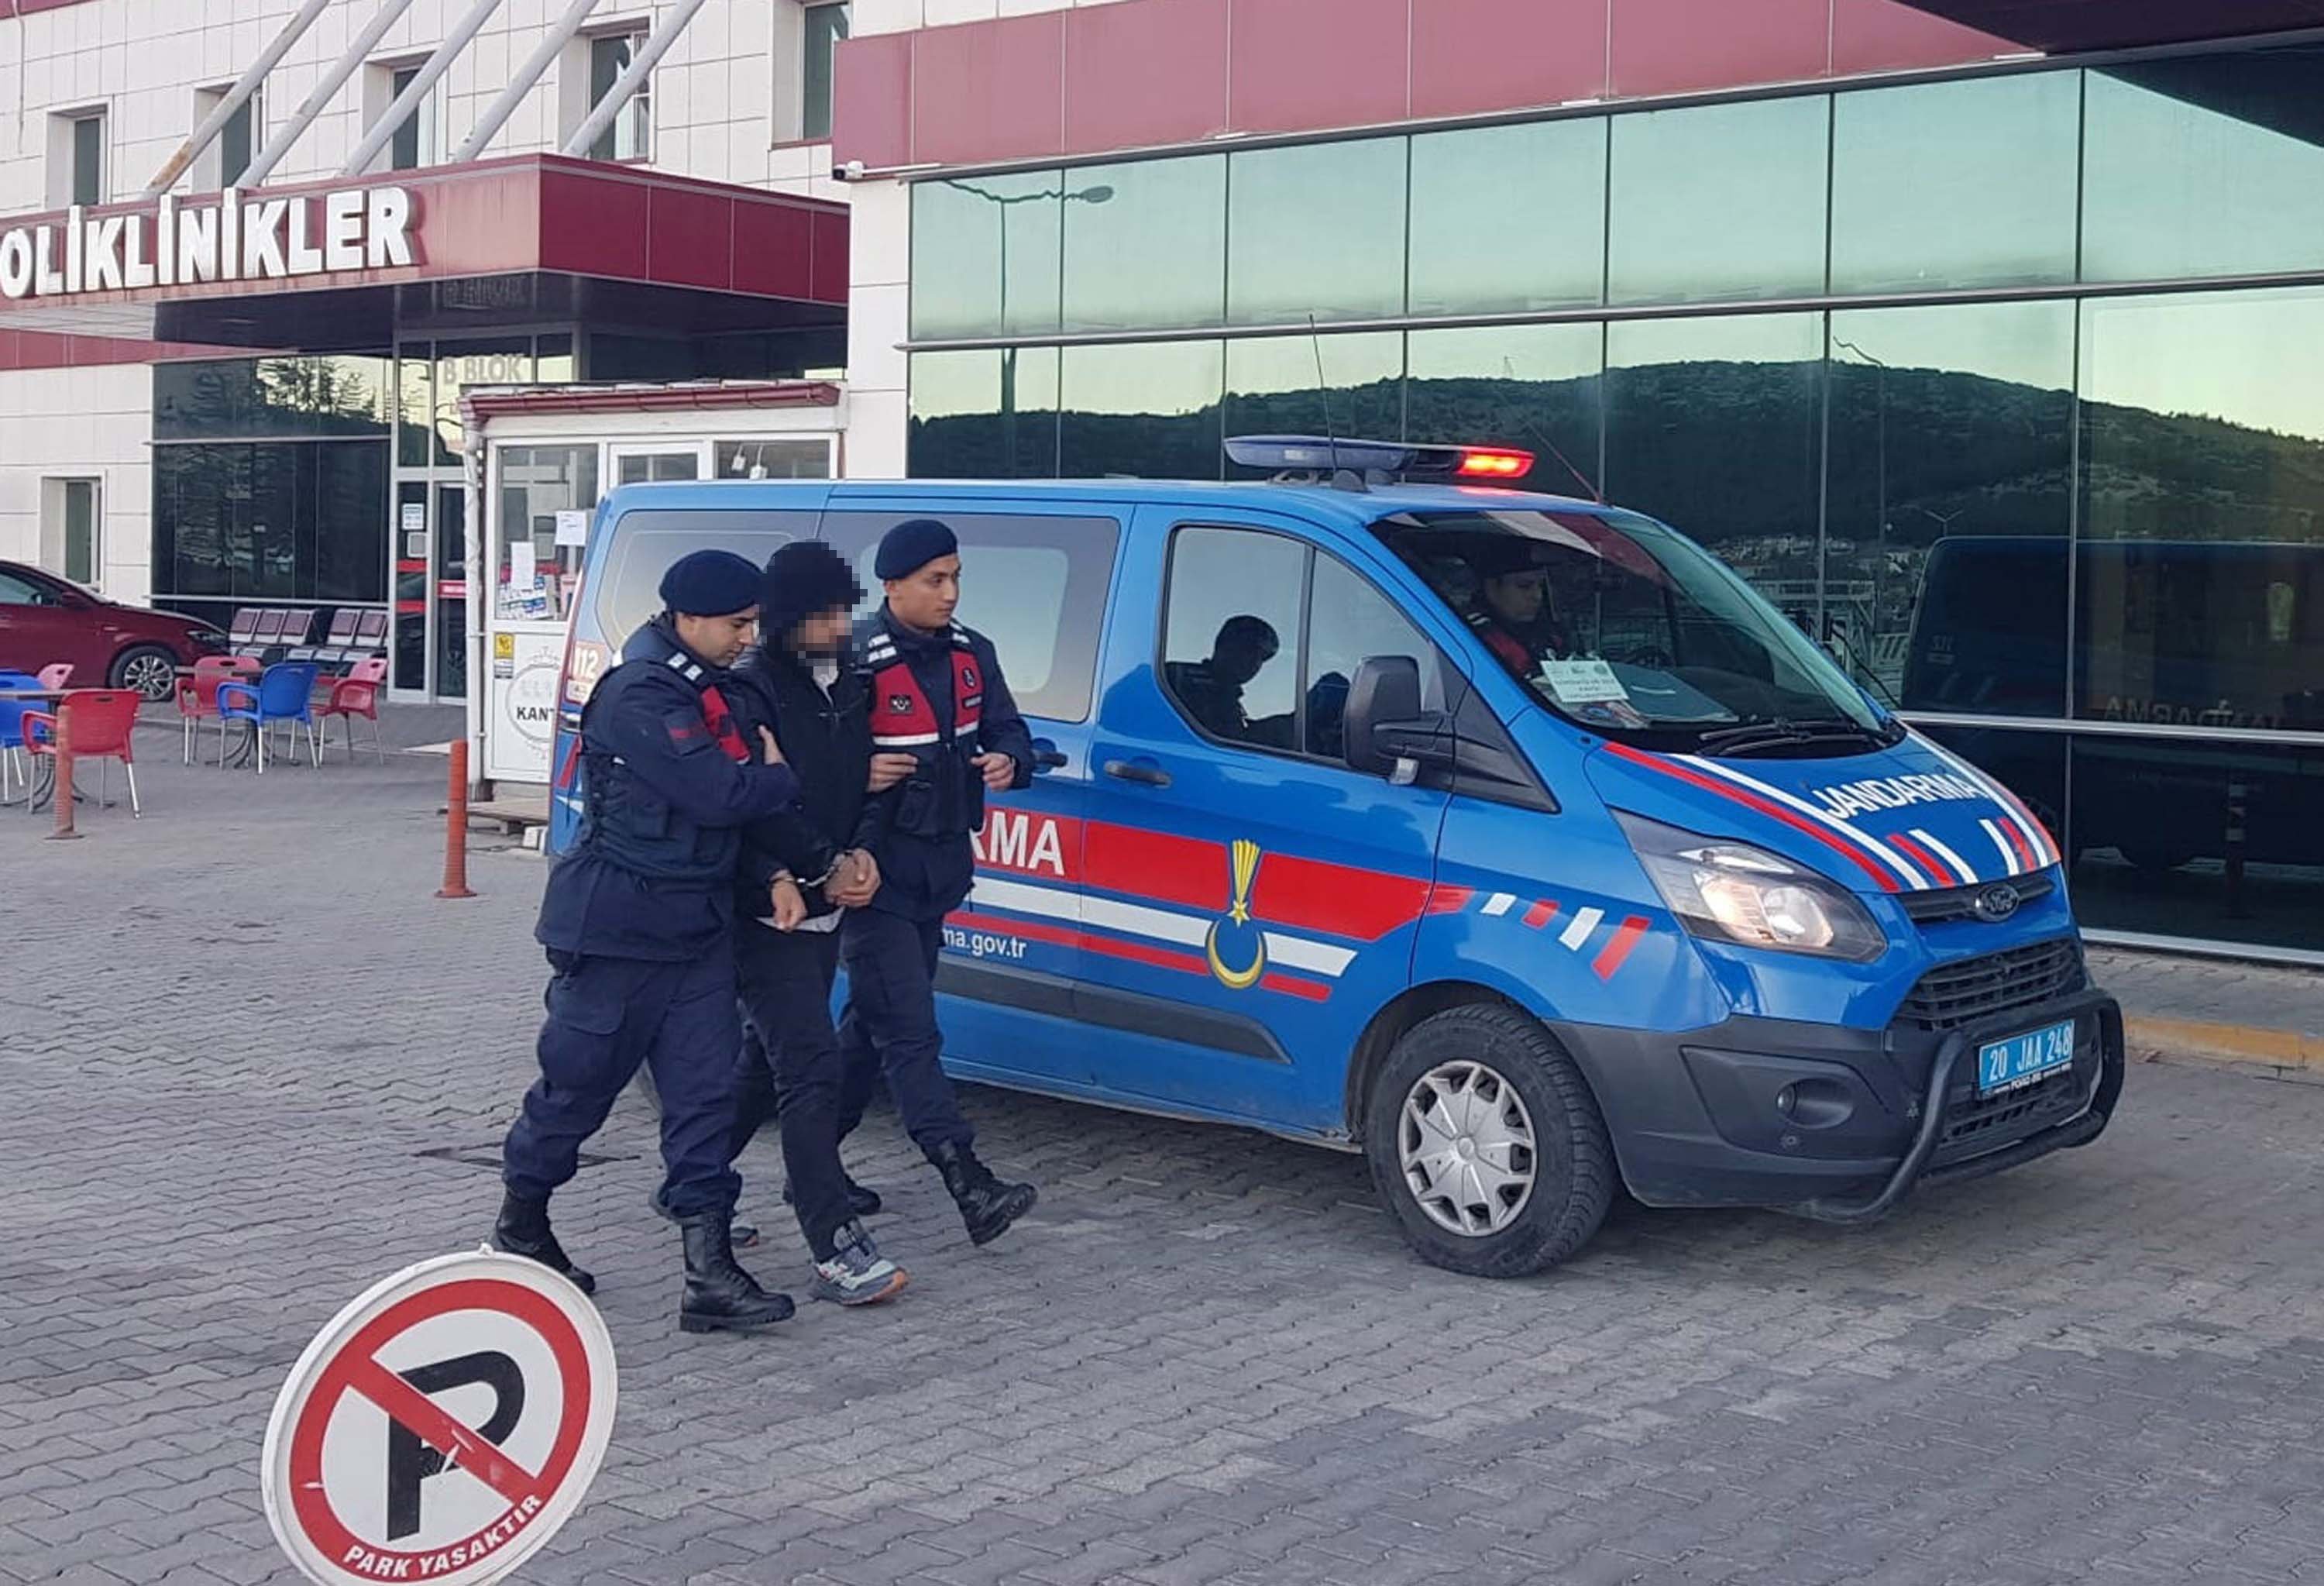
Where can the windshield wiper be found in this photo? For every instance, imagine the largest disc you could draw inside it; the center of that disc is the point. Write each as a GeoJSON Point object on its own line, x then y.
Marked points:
{"type": "Point", "coordinates": [1782, 733]}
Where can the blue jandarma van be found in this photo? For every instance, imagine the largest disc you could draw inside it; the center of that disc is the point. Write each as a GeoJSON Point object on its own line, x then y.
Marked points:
{"type": "Point", "coordinates": [1510, 840]}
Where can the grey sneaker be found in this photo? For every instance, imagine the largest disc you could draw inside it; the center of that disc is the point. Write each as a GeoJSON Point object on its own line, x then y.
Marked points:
{"type": "Point", "coordinates": [857, 1274]}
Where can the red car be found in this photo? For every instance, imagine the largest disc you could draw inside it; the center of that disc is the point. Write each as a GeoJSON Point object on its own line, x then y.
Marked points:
{"type": "Point", "coordinates": [45, 618]}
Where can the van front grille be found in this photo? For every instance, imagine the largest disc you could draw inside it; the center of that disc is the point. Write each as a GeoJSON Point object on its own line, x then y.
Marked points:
{"type": "Point", "coordinates": [1973, 989]}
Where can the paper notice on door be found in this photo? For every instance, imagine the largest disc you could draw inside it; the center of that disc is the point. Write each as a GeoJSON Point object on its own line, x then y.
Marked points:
{"type": "Point", "coordinates": [1582, 682]}
{"type": "Point", "coordinates": [572, 528]}
{"type": "Point", "coordinates": [522, 570]}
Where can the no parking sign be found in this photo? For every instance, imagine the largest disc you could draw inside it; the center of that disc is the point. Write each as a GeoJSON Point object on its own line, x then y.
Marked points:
{"type": "Point", "coordinates": [442, 1426]}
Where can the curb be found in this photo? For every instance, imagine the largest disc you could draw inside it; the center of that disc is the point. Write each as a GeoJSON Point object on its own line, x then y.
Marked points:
{"type": "Point", "coordinates": [2290, 1053]}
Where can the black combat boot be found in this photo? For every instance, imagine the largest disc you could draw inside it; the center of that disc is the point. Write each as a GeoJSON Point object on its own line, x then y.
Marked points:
{"type": "Point", "coordinates": [719, 1295]}
{"type": "Point", "coordinates": [742, 1234]}
{"type": "Point", "coordinates": [861, 1203]}
{"type": "Point", "coordinates": [987, 1205]}
{"type": "Point", "coordinates": [523, 1231]}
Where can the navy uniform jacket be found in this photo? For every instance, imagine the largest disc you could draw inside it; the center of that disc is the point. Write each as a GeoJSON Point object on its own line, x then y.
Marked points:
{"type": "Point", "coordinates": [652, 874]}
{"type": "Point", "coordinates": [925, 877]}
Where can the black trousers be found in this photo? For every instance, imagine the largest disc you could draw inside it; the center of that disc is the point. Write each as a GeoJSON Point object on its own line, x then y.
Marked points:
{"type": "Point", "coordinates": [789, 1068]}
{"type": "Point", "coordinates": [605, 1017]}
{"type": "Point", "coordinates": [889, 1027]}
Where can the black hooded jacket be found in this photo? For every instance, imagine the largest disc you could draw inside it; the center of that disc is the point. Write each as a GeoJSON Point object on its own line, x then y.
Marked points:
{"type": "Point", "coordinates": [826, 739]}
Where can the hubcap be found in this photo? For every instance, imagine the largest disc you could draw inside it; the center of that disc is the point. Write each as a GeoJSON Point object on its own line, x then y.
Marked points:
{"type": "Point", "coordinates": [151, 676]}
{"type": "Point", "coordinates": [1465, 1143]}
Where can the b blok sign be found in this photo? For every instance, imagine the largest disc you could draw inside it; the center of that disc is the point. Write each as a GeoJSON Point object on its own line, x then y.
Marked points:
{"type": "Point", "coordinates": [441, 1427]}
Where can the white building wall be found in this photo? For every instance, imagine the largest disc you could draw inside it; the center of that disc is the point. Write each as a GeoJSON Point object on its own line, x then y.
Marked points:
{"type": "Point", "coordinates": [725, 99]}
{"type": "Point", "coordinates": [80, 424]}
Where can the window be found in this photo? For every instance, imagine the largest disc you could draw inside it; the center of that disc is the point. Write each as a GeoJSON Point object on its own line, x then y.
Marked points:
{"type": "Point", "coordinates": [2201, 571]}
{"type": "Point", "coordinates": [1508, 218]}
{"type": "Point", "coordinates": [984, 415]}
{"type": "Point", "coordinates": [1537, 387]}
{"type": "Point", "coordinates": [808, 457]}
{"type": "Point", "coordinates": [275, 521]}
{"type": "Point", "coordinates": [628, 594]}
{"type": "Point", "coordinates": [228, 156]}
{"type": "Point", "coordinates": [415, 142]}
{"type": "Point", "coordinates": [1149, 409]}
{"type": "Point", "coordinates": [630, 137]}
{"type": "Point", "coordinates": [1035, 586]}
{"type": "Point", "coordinates": [1272, 390]}
{"type": "Point", "coordinates": [2200, 166]}
{"type": "Point", "coordinates": [1316, 229]}
{"type": "Point", "coordinates": [823, 27]}
{"type": "Point", "coordinates": [1146, 244]}
{"type": "Point", "coordinates": [1242, 668]}
{"type": "Point", "coordinates": [70, 541]}
{"type": "Point", "coordinates": [77, 158]}
{"type": "Point", "coordinates": [985, 255]}
{"type": "Point", "coordinates": [1961, 184]}
{"type": "Point", "coordinates": [537, 576]}
{"type": "Point", "coordinates": [1718, 202]}
{"type": "Point", "coordinates": [16, 591]}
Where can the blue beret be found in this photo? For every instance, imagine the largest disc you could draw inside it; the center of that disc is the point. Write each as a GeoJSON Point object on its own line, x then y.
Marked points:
{"type": "Point", "coordinates": [710, 584]}
{"type": "Point", "coordinates": [911, 546]}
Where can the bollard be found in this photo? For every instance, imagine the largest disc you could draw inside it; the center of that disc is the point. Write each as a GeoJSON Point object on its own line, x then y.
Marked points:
{"type": "Point", "coordinates": [64, 831]}
{"type": "Point", "coordinates": [455, 827]}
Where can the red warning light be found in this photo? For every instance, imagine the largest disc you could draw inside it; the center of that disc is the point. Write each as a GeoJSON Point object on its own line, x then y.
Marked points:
{"type": "Point", "coordinates": [1494, 463]}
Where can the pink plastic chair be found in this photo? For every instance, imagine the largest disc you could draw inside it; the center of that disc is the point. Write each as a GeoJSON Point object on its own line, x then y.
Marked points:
{"type": "Point", "coordinates": [357, 695]}
{"type": "Point", "coordinates": [56, 676]}
{"type": "Point", "coordinates": [197, 698]}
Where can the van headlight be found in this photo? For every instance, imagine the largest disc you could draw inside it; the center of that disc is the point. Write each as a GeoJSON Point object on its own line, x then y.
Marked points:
{"type": "Point", "coordinates": [1730, 891]}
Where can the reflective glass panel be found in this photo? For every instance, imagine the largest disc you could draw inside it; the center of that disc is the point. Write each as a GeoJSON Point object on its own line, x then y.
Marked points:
{"type": "Point", "coordinates": [538, 582]}
{"type": "Point", "coordinates": [1712, 426]}
{"type": "Point", "coordinates": [1316, 230]}
{"type": "Point", "coordinates": [1146, 409]}
{"type": "Point", "coordinates": [985, 255]}
{"type": "Point", "coordinates": [245, 399]}
{"type": "Point", "coordinates": [2200, 575]}
{"type": "Point", "coordinates": [1958, 184]}
{"type": "Point", "coordinates": [1231, 636]}
{"type": "Point", "coordinates": [1947, 504]}
{"type": "Point", "coordinates": [2208, 165]}
{"type": "Point", "coordinates": [350, 520]}
{"type": "Point", "coordinates": [823, 27]}
{"type": "Point", "coordinates": [1343, 385]}
{"type": "Point", "coordinates": [1509, 219]}
{"type": "Point", "coordinates": [1146, 244]}
{"type": "Point", "coordinates": [1535, 386]}
{"type": "Point", "coordinates": [2218, 841]}
{"type": "Point", "coordinates": [415, 377]}
{"type": "Point", "coordinates": [459, 365]}
{"type": "Point", "coordinates": [984, 415]}
{"type": "Point", "coordinates": [1719, 201]}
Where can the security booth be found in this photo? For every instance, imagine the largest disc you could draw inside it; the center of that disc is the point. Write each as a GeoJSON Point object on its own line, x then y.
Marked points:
{"type": "Point", "coordinates": [539, 458]}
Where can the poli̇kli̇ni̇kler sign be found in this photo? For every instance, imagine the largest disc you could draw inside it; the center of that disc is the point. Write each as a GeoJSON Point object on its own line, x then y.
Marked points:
{"type": "Point", "coordinates": [232, 237]}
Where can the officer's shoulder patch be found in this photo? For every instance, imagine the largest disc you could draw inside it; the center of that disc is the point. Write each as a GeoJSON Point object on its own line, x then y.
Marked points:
{"type": "Point", "coordinates": [687, 730]}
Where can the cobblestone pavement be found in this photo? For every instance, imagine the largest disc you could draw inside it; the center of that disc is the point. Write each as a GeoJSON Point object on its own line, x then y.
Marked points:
{"type": "Point", "coordinates": [2214, 991]}
{"type": "Point", "coordinates": [243, 1050]}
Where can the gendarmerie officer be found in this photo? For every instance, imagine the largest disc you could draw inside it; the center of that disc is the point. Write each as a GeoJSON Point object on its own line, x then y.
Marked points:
{"type": "Point", "coordinates": [944, 732]}
{"type": "Point", "coordinates": [804, 867]}
{"type": "Point", "coordinates": [637, 921]}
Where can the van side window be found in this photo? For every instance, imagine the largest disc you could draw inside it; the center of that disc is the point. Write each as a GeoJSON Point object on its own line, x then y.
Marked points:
{"type": "Point", "coordinates": [1262, 637]}
{"type": "Point", "coordinates": [1230, 635]}
{"type": "Point", "coordinates": [1035, 586]}
{"type": "Point", "coordinates": [627, 593]}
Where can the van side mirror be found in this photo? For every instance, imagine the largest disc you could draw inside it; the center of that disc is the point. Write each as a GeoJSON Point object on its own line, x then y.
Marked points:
{"type": "Point", "coordinates": [1387, 733]}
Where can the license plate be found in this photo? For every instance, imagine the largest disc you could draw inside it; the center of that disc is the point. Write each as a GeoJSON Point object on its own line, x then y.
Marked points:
{"type": "Point", "coordinates": [2004, 1065]}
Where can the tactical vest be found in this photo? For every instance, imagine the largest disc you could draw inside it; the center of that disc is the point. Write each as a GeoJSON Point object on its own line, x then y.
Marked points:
{"type": "Point", "coordinates": [626, 822]}
{"type": "Point", "coordinates": [944, 798]}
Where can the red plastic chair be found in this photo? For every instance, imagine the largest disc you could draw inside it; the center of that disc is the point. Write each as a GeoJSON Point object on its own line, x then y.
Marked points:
{"type": "Point", "coordinates": [356, 694]}
{"type": "Point", "coordinates": [103, 720]}
{"type": "Point", "coordinates": [55, 675]}
{"type": "Point", "coordinates": [197, 696]}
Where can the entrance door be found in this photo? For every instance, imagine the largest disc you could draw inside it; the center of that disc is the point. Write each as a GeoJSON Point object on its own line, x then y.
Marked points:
{"type": "Point", "coordinates": [451, 593]}
{"type": "Point", "coordinates": [651, 464]}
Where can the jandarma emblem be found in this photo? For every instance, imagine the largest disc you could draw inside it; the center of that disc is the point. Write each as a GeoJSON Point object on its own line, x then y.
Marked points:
{"type": "Point", "coordinates": [1237, 936]}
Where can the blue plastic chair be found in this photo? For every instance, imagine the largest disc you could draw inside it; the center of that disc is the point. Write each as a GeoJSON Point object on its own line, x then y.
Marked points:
{"type": "Point", "coordinates": [285, 694]}
{"type": "Point", "coordinates": [12, 734]}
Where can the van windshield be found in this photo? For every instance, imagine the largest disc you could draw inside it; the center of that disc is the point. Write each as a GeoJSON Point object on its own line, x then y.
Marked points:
{"type": "Point", "coordinates": [1626, 628]}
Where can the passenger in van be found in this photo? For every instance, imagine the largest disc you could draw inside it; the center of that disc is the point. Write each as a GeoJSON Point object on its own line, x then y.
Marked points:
{"type": "Point", "coordinates": [638, 920]}
{"type": "Point", "coordinates": [1212, 688]}
{"type": "Point", "coordinates": [802, 869]}
{"type": "Point", "coordinates": [1517, 619]}
{"type": "Point", "coordinates": [944, 732]}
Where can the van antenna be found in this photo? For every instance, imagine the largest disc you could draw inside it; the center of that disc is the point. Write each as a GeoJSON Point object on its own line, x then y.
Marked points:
{"type": "Point", "coordinates": [1542, 435]}
{"type": "Point", "coordinates": [1323, 390]}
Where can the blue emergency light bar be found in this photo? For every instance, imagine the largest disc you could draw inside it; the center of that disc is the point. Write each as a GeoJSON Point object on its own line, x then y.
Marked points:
{"type": "Point", "coordinates": [1389, 459]}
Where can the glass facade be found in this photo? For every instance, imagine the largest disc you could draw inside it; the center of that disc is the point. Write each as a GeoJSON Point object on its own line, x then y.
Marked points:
{"type": "Point", "coordinates": [1973, 378]}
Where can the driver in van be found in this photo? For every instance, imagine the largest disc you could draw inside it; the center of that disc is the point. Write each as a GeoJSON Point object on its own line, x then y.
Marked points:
{"type": "Point", "coordinates": [1516, 617]}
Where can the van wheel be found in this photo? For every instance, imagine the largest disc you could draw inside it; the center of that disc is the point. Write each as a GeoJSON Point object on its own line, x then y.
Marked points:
{"type": "Point", "coordinates": [1487, 1145]}
{"type": "Point", "coordinates": [148, 668]}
